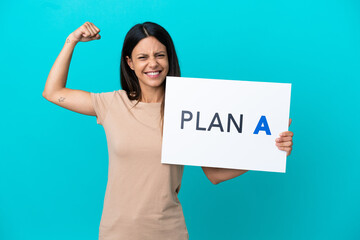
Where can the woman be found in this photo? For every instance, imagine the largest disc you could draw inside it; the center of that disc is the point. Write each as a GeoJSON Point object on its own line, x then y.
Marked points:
{"type": "Point", "coordinates": [141, 195]}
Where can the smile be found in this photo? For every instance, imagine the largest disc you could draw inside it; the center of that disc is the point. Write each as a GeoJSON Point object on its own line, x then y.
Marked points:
{"type": "Point", "coordinates": [153, 74]}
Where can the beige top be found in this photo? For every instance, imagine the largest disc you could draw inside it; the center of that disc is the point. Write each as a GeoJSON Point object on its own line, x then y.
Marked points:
{"type": "Point", "coordinates": [141, 199]}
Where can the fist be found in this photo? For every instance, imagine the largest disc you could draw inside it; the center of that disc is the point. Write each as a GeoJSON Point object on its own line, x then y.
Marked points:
{"type": "Point", "coordinates": [85, 33]}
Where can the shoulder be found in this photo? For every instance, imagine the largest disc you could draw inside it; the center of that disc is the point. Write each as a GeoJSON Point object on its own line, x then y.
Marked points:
{"type": "Point", "coordinates": [123, 97]}
{"type": "Point", "coordinates": [117, 97]}
{"type": "Point", "coordinates": [105, 97]}
{"type": "Point", "coordinates": [122, 93]}
{"type": "Point", "coordinates": [104, 94]}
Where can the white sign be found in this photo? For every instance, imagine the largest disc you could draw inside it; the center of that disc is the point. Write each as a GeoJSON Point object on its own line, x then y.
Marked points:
{"type": "Point", "coordinates": [225, 123]}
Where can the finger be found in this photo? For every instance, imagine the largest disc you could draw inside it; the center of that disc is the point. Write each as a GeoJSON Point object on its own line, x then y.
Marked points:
{"type": "Point", "coordinates": [85, 30]}
{"type": "Point", "coordinates": [287, 149]}
{"type": "Point", "coordinates": [90, 30]}
{"type": "Point", "coordinates": [93, 29]}
{"type": "Point", "coordinates": [284, 144]}
{"type": "Point", "coordinates": [283, 139]}
{"type": "Point", "coordinates": [97, 29]}
{"type": "Point", "coordinates": [290, 120]}
{"type": "Point", "coordinates": [287, 134]}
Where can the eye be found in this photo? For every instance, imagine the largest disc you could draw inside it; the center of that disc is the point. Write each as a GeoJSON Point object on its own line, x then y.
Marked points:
{"type": "Point", "coordinates": [161, 55]}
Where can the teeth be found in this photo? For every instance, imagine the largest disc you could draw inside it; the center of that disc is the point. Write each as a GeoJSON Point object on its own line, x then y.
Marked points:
{"type": "Point", "coordinates": [153, 73]}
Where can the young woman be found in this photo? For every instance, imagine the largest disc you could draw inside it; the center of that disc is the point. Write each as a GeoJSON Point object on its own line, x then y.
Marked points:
{"type": "Point", "coordinates": [141, 195]}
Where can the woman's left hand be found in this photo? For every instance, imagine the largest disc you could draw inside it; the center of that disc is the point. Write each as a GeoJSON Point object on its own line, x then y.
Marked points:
{"type": "Point", "coordinates": [284, 142]}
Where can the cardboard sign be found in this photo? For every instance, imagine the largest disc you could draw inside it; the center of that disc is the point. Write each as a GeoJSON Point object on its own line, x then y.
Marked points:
{"type": "Point", "coordinates": [225, 123]}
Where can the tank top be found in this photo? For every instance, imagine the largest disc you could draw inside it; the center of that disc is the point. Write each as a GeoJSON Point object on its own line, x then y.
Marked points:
{"type": "Point", "coordinates": [141, 199]}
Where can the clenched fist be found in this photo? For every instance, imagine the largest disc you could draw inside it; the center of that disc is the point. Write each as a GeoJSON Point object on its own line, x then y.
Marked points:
{"type": "Point", "coordinates": [85, 33]}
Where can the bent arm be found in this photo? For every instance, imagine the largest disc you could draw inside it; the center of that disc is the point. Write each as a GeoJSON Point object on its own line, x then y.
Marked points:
{"type": "Point", "coordinates": [218, 175]}
{"type": "Point", "coordinates": [55, 87]}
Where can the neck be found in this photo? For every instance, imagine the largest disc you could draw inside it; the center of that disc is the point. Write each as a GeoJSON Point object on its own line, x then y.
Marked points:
{"type": "Point", "coordinates": [152, 95]}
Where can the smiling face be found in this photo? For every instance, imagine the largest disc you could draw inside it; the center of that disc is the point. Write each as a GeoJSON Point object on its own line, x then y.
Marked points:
{"type": "Point", "coordinates": [149, 60]}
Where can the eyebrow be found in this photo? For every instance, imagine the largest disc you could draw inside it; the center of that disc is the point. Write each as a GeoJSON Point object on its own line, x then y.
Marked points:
{"type": "Point", "coordinates": [146, 54]}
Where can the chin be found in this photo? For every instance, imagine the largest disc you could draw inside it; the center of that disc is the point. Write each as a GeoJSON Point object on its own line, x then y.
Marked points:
{"type": "Point", "coordinates": [154, 82]}
{"type": "Point", "coordinates": [157, 85]}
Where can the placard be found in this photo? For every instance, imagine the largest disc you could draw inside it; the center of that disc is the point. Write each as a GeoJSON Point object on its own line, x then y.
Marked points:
{"type": "Point", "coordinates": [225, 123]}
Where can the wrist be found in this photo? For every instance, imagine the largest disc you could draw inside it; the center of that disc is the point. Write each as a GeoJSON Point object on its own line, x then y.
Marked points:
{"type": "Point", "coordinates": [71, 40]}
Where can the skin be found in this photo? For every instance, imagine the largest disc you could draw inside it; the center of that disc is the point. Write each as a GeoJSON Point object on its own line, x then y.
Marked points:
{"type": "Point", "coordinates": [150, 55]}
{"type": "Point", "coordinates": [284, 141]}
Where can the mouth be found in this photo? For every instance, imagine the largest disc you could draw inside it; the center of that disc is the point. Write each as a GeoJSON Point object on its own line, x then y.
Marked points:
{"type": "Point", "coordinates": [153, 74]}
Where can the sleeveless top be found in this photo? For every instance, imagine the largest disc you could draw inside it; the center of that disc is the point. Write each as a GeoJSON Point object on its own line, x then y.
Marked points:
{"type": "Point", "coordinates": [141, 199]}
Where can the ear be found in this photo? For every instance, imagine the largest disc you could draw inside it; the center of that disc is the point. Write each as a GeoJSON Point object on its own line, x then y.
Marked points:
{"type": "Point", "coordinates": [129, 62]}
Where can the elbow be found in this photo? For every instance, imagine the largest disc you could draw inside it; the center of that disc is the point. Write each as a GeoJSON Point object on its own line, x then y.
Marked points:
{"type": "Point", "coordinates": [215, 182]}
{"type": "Point", "coordinates": [214, 179]}
{"type": "Point", "coordinates": [50, 94]}
{"type": "Point", "coordinates": [47, 95]}
{"type": "Point", "coordinates": [211, 174]}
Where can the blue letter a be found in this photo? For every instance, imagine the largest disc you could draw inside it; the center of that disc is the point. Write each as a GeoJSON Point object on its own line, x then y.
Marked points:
{"type": "Point", "coordinates": [262, 126]}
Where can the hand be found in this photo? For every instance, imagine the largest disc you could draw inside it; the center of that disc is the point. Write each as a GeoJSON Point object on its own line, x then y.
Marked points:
{"type": "Point", "coordinates": [85, 33]}
{"type": "Point", "coordinates": [284, 142]}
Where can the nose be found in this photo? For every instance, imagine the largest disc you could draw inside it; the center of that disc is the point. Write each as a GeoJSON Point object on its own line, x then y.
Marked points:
{"type": "Point", "coordinates": [152, 62]}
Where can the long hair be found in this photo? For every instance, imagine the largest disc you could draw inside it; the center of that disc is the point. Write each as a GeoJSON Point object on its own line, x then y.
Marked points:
{"type": "Point", "coordinates": [128, 79]}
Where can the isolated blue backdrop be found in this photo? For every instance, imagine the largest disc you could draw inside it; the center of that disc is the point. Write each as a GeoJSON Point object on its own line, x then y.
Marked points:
{"type": "Point", "coordinates": [53, 167]}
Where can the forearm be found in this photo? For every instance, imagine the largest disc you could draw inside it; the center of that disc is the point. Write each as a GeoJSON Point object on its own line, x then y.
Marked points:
{"type": "Point", "coordinates": [58, 74]}
{"type": "Point", "coordinates": [218, 175]}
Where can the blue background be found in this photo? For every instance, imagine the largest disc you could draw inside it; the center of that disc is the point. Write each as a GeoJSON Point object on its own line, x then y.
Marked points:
{"type": "Point", "coordinates": [53, 168]}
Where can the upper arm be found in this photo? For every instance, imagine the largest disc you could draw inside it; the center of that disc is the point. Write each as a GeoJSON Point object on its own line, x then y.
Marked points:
{"type": "Point", "coordinates": [75, 100]}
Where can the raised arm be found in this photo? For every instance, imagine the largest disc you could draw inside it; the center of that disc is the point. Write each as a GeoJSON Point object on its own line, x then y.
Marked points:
{"type": "Point", "coordinates": [55, 87]}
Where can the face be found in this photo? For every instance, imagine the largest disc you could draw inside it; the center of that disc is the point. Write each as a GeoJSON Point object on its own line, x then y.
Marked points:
{"type": "Point", "coordinates": [150, 62]}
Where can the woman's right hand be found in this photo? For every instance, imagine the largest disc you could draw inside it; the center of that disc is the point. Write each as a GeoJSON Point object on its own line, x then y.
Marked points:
{"type": "Point", "coordinates": [85, 33]}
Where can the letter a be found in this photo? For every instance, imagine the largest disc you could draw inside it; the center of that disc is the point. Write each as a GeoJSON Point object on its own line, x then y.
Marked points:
{"type": "Point", "coordinates": [216, 116]}
{"type": "Point", "coordinates": [262, 126]}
